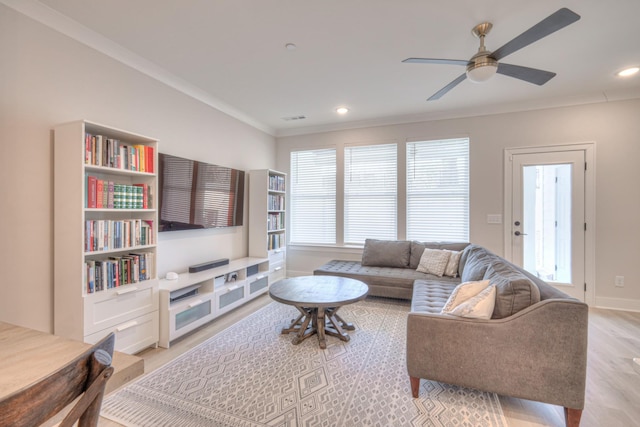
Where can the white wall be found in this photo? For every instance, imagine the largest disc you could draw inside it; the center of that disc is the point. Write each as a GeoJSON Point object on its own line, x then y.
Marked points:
{"type": "Point", "coordinates": [614, 127]}
{"type": "Point", "coordinates": [46, 79]}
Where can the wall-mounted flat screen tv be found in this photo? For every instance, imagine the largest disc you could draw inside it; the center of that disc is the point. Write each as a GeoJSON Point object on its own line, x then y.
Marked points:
{"type": "Point", "coordinates": [195, 195]}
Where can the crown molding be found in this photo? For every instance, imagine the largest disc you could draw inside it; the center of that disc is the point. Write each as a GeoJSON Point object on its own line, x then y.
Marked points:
{"type": "Point", "coordinates": [73, 29]}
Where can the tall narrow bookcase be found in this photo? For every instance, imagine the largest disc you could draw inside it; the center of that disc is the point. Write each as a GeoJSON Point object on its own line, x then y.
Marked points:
{"type": "Point", "coordinates": [267, 220]}
{"type": "Point", "coordinates": [105, 235]}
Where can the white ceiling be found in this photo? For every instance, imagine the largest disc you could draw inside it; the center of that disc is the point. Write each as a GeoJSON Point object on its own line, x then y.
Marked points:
{"type": "Point", "coordinates": [349, 53]}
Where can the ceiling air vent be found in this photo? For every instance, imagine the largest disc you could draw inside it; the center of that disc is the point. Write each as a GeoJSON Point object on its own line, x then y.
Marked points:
{"type": "Point", "coordinates": [292, 118]}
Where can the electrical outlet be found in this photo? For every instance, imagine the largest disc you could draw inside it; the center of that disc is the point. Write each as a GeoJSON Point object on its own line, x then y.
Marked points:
{"type": "Point", "coordinates": [620, 281]}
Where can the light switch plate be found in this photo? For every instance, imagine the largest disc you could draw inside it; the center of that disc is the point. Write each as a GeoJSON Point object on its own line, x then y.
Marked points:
{"type": "Point", "coordinates": [494, 219]}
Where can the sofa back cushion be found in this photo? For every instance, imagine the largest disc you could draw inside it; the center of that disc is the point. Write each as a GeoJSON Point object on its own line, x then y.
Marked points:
{"type": "Point", "coordinates": [474, 262]}
{"type": "Point", "coordinates": [417, 248]}
{"type": "Point", "coordinates": [386, 253]}
{"type": "Point", "coordinates": [514, 290]}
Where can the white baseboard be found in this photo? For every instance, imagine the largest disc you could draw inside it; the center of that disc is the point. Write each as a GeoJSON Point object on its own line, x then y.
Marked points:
{"type": "Point", "coordinates": [618, 304]}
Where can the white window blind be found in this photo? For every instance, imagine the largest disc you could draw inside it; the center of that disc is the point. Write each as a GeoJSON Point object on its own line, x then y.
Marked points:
{"type": "Point", "coordinates": [370, 193]}
{"type": "Point", "coordinates": [313, 197]}
{"type": "Point", "coordinates": [438, 190]}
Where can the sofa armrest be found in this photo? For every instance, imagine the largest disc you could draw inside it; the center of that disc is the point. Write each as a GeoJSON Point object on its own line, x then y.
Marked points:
{"type": "Point", "coordinates": [539, 353]}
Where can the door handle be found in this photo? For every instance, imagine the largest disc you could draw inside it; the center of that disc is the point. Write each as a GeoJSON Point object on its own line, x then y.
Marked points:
{"type": "Point", "coordinates": [517, 233]}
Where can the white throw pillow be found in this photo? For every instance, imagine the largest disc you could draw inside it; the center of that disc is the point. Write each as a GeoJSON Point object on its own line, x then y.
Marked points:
{"type": "Point", "coordinates": [433, 261]}
{"type": "Point", "coordinates": [479, 307]}
{"type": "Point", "coordinates": [451, 269]}
{"type": "Point", "coordinates": [463, 292]}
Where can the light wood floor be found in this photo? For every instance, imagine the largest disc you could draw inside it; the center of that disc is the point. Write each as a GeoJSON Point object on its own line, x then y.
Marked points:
{"type": "Point", "coordinates": [613, 379]}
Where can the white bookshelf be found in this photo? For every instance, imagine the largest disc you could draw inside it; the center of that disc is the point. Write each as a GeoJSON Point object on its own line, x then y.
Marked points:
{"type": "Point", "coordinates": [128, 309]}
{"type": "Point", "coordinates": [267, 219]}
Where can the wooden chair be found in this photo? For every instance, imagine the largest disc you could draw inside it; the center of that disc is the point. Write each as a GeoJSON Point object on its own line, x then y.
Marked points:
{"type": "Point", "coordinates": [84, 377]}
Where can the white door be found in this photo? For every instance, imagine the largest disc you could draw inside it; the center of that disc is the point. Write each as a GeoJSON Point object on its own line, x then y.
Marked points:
{"type": "Point", "coordinates": [548, 217]}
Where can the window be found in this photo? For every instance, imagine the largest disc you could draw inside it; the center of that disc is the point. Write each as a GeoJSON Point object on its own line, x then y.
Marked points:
{"type": "Point", "coordinates": [313, 197]}
{"type": "Point", "coordinates": [370, 193]}
{"type": "Point", "coordinates": [438, 190]}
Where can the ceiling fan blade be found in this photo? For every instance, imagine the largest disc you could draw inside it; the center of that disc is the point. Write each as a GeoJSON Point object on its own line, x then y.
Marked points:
{"type": "Point", "coordinates": [436, 61]}
{"type": "Point", "coordinates": [447, 88]}
{"type": "Point", "coordinates": [549, 25]}
{"type": "Point", "coordinates": [531, 75]}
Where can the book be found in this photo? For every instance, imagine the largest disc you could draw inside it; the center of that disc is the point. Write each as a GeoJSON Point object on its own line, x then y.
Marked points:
{"type": "Point", "coordinates": [142, 196]}
{"type": "Point", "coordinates": [99, 193]}
{"type": "Point", "coordinates": [99, 148]}
{"type": "Point", "coordinates": [149, 156]}
{"type": "Point", "coordinates": [140, 153]}
{"type": "Point", "coordinates": [110, 194]}
{"type": "Point", "coordinates": [94, 160]}
{"type": "Point", "coordinates": [91, 191]}
{"type": "Point", "coordinates": [87, 149]}
{"type": "Point", "coordinates": [89, 276]}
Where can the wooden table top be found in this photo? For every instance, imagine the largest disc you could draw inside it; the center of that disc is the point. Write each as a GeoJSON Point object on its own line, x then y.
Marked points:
{"type": "Point", "coordinates": [318, 291]}
{"type": "Point", "coordinates": [27, 355]}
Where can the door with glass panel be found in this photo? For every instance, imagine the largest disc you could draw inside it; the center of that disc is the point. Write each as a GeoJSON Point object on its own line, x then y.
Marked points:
{"type": "Point", "coordinates": [548, 217]}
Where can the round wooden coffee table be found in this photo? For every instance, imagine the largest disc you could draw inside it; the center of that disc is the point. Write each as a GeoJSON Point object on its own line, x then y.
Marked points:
{"type": "Point", "coordinates": [318, 299]}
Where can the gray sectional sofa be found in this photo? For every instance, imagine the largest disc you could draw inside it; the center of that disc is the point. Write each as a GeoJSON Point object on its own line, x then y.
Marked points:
{"type": "Point", "coordinates": [534, 346]}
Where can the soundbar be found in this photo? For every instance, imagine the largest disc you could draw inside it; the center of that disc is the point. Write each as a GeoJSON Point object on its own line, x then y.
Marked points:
{"type": "Point", "coordinates": [208, 265]}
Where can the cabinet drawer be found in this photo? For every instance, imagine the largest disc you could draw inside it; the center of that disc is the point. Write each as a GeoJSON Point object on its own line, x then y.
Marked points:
{"type": "Point", "coordinates": [277, 255]}
{"type": "Point", "coordinates": [259, 286]}
{"type": "Point", "coordinates": [229, 298]}
{"type": "Point", "coordinates": [133, 335]}
{"type": "Point", "coordinates": [276, 272]}
{"type": "Point", "coordinates": [109, 308]}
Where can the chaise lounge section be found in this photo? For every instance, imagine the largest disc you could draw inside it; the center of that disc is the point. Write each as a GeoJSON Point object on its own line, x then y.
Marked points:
{"type": "Point", "coordinates": [533, 346]}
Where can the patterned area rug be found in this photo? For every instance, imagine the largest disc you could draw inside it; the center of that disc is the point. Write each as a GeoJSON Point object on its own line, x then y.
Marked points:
{"type": "Point", "coordinates": [251, 375]}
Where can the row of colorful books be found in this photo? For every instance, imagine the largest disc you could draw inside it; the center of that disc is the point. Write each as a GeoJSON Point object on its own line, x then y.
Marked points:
{"type": "Point", "coordinates": [104, 194]}
{"type": "Point", "coordinates": [275, 221]}
{"type": "Point", "coordinates": [118, 271]}
{"type": "Point", "coordinates": [275, 202]}
{"type": "Point", "coordinates": [104, 235]}
{"type": "Point", "coordinates": [276, 183]}
{"type": "Point", "coordinates": [101, 150]}
{"type": "Point", "coordinates": [276, 241]}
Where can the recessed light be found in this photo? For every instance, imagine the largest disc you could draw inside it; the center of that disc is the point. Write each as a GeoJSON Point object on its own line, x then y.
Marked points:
{"type": "Point", "coordinates": [628, 72]}
{"type": "Point", "coordinates": [342, 110]}
{"type": "Point", "coordinates": [290, 46]}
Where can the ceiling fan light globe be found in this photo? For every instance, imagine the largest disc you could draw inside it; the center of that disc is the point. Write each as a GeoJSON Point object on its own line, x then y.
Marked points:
{"type": "Point", "coordinates": [481, 73]}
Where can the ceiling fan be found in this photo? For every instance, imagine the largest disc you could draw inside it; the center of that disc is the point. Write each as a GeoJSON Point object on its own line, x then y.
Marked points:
{"type": "Point", "coordinates": [484, 64]}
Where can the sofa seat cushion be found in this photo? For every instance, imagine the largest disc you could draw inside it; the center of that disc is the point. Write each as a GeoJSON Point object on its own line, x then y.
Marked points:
{"type": "Point", "coordinates": [430, 295]}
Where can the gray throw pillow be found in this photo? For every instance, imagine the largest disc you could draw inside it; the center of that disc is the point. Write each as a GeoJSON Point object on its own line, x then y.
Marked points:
{"type": "Point", "coordinates": [386, 253]}
{"type": "Point", "coordinates": [417, 248]}
{"type": "Point", "coordinates": [515, 291]}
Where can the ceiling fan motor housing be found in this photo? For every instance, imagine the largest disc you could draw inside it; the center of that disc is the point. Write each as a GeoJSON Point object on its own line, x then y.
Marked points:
{"type": "Point", "coordinates": [481, 67]}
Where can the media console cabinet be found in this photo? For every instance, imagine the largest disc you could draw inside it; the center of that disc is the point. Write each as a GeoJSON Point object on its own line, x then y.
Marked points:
{"type": "Point", "coordinates": [197, 298]}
